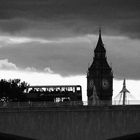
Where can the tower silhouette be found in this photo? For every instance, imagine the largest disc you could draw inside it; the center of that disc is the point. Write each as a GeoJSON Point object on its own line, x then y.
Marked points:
{"type": "Point", "coordinates": [100, 76]}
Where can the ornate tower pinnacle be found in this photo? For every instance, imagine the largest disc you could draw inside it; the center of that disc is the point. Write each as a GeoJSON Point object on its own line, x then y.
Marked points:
{"type": "Point", "coordinates": [100, 34]}
{"type": "Point", "coordinates": [100, 46]}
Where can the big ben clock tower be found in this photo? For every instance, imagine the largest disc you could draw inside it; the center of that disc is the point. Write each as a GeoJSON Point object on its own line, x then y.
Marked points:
{"type": "Point", "coordinates": [100, 76]}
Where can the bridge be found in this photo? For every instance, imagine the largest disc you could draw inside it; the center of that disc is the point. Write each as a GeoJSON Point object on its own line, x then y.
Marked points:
{"type": "Point", "coordinates": [70, 122]}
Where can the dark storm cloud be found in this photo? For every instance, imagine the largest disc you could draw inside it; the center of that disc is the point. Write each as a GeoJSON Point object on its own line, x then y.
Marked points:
{"type": "Point", "coordinates": [13, 26]}
{"type": "Point", "coordinates": [81, 16]}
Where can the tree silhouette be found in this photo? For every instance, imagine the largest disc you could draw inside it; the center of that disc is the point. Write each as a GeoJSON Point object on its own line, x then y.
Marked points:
{"type": "Point", "coordinates": [13, 89]}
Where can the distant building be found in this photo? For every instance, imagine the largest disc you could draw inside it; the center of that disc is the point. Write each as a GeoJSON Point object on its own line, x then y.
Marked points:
{"type": "Point", "coordinates": [100, 77]}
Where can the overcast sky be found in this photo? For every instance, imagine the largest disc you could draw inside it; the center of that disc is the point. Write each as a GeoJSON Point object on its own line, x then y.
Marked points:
{"type": "Point", "coordinates": [48, 42]}
{"type": "Point", "coordinates": [59, 36]}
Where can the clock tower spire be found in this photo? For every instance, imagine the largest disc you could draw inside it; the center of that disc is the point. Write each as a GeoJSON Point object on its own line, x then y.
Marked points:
{"type": "Point", "coordinates": [100, 76]}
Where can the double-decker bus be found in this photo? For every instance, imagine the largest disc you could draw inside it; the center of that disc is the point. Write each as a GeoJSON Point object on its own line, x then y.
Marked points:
{"type": "Point", "coordinates": [54, 93]}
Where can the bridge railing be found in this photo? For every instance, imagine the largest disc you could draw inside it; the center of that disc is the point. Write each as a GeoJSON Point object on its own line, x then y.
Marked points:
{"type": "Point", "coordinates": [39, 104]}
{"type": "Point", "coordinates": [59, 104]}
{"type": "Point", "coordinates": [127, 102]}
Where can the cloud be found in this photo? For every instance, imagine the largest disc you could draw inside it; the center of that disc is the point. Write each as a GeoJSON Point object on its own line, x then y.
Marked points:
{"type": "Point", "coordinates": [6, 65]}
{"type": "Point", "coordinates": [13, 25]}
{"type": "Point", "coordinates": [73, 57]}
{"type": "Point", "coordinates": [31, 69]}
{"type": "Point", "coordinates": [63, 18]}
{"type": "Point", "coordinates": [48, 70]}
{"type": "Point", "coordinates": [64, 57]}
{"type": "Point", "coordinates": [14, 40]}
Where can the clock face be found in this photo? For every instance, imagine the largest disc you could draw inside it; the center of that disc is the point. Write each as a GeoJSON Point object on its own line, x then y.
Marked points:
{"type": "Point", "coordinates": [105, 83]}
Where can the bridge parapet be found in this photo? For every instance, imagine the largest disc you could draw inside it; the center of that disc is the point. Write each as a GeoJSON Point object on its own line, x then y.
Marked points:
{"type": "Point", "coordinates": [59, 104]}
{"type": "Point", "coordinates": [71, 122]}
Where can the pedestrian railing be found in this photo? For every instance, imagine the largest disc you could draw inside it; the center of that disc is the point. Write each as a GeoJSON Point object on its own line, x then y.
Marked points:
{"type": "Point", "coordinates": [69, 103]}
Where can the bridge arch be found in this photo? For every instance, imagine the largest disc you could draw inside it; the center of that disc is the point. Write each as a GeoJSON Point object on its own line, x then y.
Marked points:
{"type": "Point", "coordinates": [135, 136]}
{"type": "Point", "coordinates": [6, 136]}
